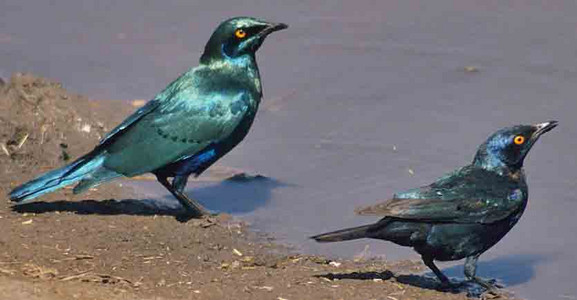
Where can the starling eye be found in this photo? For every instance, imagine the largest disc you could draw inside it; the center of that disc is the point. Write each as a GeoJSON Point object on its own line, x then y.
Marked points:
{"type": "Point", "coordinates": [518, 140]}
{"type": "Point", "coordinates": [239, 33]}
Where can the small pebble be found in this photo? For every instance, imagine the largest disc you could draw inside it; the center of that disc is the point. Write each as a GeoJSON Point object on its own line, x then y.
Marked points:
{"type": "Point", "coordinates": [335, 264]}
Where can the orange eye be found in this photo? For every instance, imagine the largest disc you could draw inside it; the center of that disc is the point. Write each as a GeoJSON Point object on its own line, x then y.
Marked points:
{"type": "Point", "coordinates": [519, 140]}
{"type": "Point", "coordinates": [239, 33]}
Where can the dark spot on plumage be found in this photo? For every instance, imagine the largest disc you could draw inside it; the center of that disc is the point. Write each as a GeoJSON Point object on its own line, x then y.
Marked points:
{"type": "Point", "coordinates": [216, 110]}
{"type": "Point", "coordinates": [237, 106]}
{"type": "Point", "coordinates": [229, 48]}
{"type": "Point", "coordinates": [162, 134]}
{"type": "Point", "coordinates": [173, 138]}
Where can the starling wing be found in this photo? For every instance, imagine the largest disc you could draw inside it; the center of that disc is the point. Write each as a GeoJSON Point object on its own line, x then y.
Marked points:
{"type": "Point", "coordinates": [470, 195]}
{"type": "Point", "coordinates": [171, 131]}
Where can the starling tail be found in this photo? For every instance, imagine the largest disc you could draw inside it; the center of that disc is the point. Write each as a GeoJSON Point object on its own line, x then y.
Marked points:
{"type": "Point", "coordinates": [80, 169]}
{"type": "Point", "coordinates": [343, 235]}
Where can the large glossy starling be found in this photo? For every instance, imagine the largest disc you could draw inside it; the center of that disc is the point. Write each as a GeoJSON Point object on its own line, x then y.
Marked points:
{"type": "Point", "coordinates": [188, 126]}
{"type": "Point", "coordinates": [462, 214]}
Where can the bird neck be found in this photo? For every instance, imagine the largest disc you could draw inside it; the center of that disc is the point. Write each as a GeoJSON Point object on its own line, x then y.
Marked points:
{"type": "Point", "coordinates": [243, 68]}
{"type": "Point", "coordinates": [490, 162]}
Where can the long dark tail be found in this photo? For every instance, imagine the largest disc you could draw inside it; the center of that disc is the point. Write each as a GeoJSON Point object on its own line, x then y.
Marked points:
{"type": "Point", "coordinates": [343, 234]}
{"type": "Point", "coordinates": [56, 179]}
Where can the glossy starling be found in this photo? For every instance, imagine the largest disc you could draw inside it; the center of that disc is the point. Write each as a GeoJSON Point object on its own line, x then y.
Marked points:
{"type": "Point", "coordinates": [462, 214]}
{"type": "Point", "coordinates": [188, 126]}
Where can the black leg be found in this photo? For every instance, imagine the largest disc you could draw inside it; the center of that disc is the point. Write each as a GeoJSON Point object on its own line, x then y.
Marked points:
{"type": "Point", "coordinates": [191, 205]}
{"type": "Point", "coordinates": [179, 183]}
{"type": "Point", "coordinates": [471, 274]}
{"type": "Point", "coordinates": [429, 263]}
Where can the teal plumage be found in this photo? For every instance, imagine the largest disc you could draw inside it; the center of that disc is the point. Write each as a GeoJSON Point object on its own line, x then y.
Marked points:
{"type": "Point", "coordinates": [193, 122]}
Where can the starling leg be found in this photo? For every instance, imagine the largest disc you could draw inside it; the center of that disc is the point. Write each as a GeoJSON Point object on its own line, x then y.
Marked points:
{"type": "Point", "coordinates": [176, 189]}
{"type": "Point", "coordinates": [429, 263]}
{"type": "Point", "coordinates": [471, 271]}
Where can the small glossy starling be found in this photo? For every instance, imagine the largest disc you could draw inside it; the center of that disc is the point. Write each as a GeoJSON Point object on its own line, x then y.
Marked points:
{"type": "Point", "coordinates": [462, 214]}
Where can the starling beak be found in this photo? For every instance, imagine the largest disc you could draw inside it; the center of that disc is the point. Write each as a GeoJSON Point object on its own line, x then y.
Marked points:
{"type": "Point", "coordinates": [544, 127]}
{"type": "Point", "coordinates": [272, 28]}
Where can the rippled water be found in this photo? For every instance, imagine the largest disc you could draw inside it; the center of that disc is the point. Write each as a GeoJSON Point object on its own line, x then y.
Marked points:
{"type": "Point", "coordinates": [357, 93]}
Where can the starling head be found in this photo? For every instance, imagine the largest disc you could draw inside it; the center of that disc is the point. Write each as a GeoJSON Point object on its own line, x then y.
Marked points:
{"type": "Point", "coordinates": [237, 37]}
{"type": "Point", "coordinates": [508, 147]}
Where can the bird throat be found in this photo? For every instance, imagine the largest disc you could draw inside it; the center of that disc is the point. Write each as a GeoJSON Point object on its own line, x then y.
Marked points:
{"type": "Point", "coordinates": [243, 67]}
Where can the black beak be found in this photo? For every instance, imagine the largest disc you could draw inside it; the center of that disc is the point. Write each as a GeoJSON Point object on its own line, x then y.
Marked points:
{"type": "Point", "coordinates": [272, 27]}
{"type": "Point", "coordinates": [544, 127]}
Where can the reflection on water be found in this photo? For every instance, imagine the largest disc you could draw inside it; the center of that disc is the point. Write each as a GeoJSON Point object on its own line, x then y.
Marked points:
{"type": "Point", "coordinates": [356, 94]}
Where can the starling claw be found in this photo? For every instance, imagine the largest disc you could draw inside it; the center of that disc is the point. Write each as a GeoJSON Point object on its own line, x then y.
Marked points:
{"type": "Point", "coordinates": [491, 285]}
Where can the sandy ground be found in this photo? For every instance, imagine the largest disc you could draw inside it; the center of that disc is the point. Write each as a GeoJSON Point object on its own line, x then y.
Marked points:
{"type": "Point", "coordinates": [92, 246]}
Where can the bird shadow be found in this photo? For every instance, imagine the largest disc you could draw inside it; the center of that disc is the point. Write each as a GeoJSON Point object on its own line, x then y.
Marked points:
{"type": "Point", "coordinates": [236, 195]}
{"type": "Point", "coordinates": [419, 281]}
{"type": "Point", "coordinates": [511, 270]}
{"type": "Point", "coordinates": [385, 275]}
{"type": "Point", "coordinates": [139, 207]}
{"type": "Point", "coordinates": [229, 196]}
